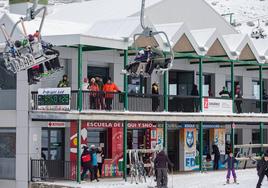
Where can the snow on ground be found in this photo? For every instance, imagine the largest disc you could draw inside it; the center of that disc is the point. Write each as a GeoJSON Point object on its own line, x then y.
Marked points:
{"type": "Point", "coordinates": [244, 11]}
{"type": "Point", "coordinates": [246, 178]}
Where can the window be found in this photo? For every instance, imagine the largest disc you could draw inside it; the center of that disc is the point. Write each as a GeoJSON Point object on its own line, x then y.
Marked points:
{"type": "Point", "coordinates": [7, 153]}
{"type": "Point", "coordinates": [98, 137]}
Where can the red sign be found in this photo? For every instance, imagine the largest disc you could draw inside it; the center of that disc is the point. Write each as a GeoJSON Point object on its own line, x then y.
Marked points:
{"type": "Point", "coordinates": [206, 103]}
{"type": "Point", "coordinates": [56, 124]}
{"type": "Point", "coordinates": [101, 124]}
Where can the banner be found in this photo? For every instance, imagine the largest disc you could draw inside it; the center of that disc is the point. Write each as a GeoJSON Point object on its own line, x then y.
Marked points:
{"type": "Point", "coordinates": [217, 105]}
{"type": "Point", "coordinates": [189, 135]}
{"type": "Point", "coordinates": [54, 99]}
{"type": "Point", "coordinates": [133, 125]}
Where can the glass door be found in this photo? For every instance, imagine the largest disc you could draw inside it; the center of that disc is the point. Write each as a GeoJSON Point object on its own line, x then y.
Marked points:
{"type": "Point", "coordinates": [53, 144]}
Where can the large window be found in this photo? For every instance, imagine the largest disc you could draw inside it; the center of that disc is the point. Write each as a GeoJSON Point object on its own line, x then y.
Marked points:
{"type": "Point", "coordinates": [7, 153]}
{"type": "Point", "coordinates": [98, 137]}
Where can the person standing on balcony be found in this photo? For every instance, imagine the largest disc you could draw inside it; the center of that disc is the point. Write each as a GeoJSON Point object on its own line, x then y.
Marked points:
{"type": "Point", "coordinates": [195, 92]}
{"type": "Point", "coordinates": [94, 163]}
{"type": "Point", "coordinates": [64, 82]}
{"type": "Point", "coordinates": [155, 99]}
{"type": "Point", "coordinates": [101, 95]}
{"type": "Point", "coordinates": [109, 88]}
{"type": "Point", "coordinates": [86, 162]}
{"type": "Point", "coordinates": [238, 98]}
{"type": "Point", "coordinates": [94, 89]}
{"type": "Point", "coordinates": [85, 85]}
{"type": "Point", "coordinates": [224, 93]}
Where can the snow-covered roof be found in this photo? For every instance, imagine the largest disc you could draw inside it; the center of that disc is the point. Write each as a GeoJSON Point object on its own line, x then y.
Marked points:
{"type": "Point", "coordinates": [242, 48]}
{"type": "Point", "coordinates": [89, 12]}
{"type": "Point", "coordinates": [60, 32]}
{"type": "Point", "coordinates": [262, 48]}
{"type": "Point", "coordinates": [122, 29]}
{"type": "Point", "coordinates": [180, 37]}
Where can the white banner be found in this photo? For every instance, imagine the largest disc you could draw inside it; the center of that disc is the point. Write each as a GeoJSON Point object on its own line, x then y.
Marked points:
{"type": "Point", "coordinates": [217, 105]}
{"type": "Point", "coordinates": [54, 98]}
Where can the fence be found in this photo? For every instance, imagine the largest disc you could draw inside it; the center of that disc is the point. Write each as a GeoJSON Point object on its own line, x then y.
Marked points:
{"type": "Point", "coordinates": [52, 169]}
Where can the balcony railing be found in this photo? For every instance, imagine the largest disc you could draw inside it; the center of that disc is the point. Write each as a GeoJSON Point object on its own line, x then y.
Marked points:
{"type": "Point", "coordinates": [52, 169]}
{"type": "Point", "coordinates": [149, 102]}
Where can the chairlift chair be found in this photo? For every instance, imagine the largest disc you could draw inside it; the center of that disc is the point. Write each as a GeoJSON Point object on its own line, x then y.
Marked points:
{"type": "Point", "coordinates": [28, 52]}
{"type": "Point", "coordinates": [149, 34]}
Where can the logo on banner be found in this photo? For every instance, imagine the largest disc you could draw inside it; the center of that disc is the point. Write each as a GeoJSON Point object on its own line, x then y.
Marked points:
{"type": "Point", "coordinates": [190, 138]}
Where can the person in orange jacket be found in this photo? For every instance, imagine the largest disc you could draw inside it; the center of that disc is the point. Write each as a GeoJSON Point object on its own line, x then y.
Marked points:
{"type": "Point", "coordinates": [109, 88]}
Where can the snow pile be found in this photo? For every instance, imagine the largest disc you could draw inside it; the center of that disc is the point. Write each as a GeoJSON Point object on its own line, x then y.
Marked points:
{"type": "Point", "coordinates": [246, 13]}
{"type": "Point", "coordinates": [246, 178]}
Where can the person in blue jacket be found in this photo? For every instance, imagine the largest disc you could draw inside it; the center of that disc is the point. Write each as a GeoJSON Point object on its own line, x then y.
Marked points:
{"type": "Point", "coordinates": [94, 163]}
{"type": "Point", "coordinates": [230, 167]}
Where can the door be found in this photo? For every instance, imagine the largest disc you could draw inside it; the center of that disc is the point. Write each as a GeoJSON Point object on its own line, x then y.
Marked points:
{"type": "Point", "coordinates": [53, 144]}
{"type": "Point", "coordinates": [173, 148]}
{"type": "Point", "coordinates": [102, 72]}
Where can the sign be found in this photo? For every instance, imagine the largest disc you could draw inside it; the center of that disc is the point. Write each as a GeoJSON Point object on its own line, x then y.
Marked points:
{"type": "Point", "coordinates": [56, 124]}
{"type": "Point", "coordinates": [189, 135]}
{"type": "Point", "coordinates": [54, 98]}
{"type": "Point", "coordinates": [134, 125]}
{"type": "Point", "coordinates": [217, 105]}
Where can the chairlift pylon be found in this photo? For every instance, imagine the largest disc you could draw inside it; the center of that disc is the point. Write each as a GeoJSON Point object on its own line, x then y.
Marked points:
{"type": "Point", "coordinates": [30, 50]}
{"type": "Point", "coordinates": [149, 33]}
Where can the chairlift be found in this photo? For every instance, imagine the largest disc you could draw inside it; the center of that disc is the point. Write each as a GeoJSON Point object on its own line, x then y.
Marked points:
{"type": "Point", "coordinates": [162, 64]}
{"type": "Point", "coordinates": [30, 50]}
{"type": "Point", "coordinates": [258, 32]}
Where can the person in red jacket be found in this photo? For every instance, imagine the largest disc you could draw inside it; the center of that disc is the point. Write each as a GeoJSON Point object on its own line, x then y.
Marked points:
{"type": "Point", "coordinates": [94, 91]}
{"type": "Point", "coordinates": [109, 88]}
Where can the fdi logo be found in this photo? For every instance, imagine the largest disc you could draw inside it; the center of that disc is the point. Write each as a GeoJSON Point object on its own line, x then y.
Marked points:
{"type": "Point", "coordinates": [190, 138]}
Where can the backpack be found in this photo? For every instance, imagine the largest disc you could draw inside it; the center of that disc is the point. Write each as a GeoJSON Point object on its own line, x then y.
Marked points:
{"type": "Point", "coordinates": [86, 158]}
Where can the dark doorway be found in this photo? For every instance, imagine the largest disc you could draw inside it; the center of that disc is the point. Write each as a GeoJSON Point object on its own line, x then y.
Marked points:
{"type": "Point", "coordinates": [102, 72]}
{"type": "Point", "coordinates": [173, 148]}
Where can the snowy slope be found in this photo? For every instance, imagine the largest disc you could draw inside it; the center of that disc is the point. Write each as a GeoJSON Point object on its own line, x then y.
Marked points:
{"type": "Point", "coordinates": [246, 178]}
{"type": "Point", "coordinates": [246, 13]}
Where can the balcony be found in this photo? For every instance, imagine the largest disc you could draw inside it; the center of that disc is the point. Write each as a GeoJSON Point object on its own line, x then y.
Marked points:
{"type": "Point", "coordinates": [149, 103]}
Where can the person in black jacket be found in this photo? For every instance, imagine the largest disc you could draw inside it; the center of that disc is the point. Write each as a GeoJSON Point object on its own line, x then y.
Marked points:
{"type": "Point", "coordinates": [216, 152]}
{"type": "Point", "coordinates": [85, 162]}
{"type": "Point", "coordinates": [161, 165]}
{"type": "Point", "coordinates": [262, 168]}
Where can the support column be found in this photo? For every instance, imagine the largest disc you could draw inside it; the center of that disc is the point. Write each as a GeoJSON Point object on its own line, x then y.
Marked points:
{"type": "Point", "coordinates": [125, 82]}
{"type": "Point", "coordinates": [79, 107]}
{"type": "Point", "coordinates": [201, 84]}
{"type": "Point", "coordinates": [125, 151]}
{"type": "Point", "coordinates": [233, 137]}
{"type": "Point", "coordinates": [22, 131]}
{"type": "Point", "coordinates": [165, 136]}
{"type": "Point", "coordinates": [80, 69]}
{"type": "Point", "coordinates": [201, 146]}
{"type": "Point", "coordinates": [166, 91]}
{"type": "Point", "coordinates": [261, 107]}
{"type": "Point", "coordinates": [78, 156]}
{"type": "Point", "coordinates": [232, 87]}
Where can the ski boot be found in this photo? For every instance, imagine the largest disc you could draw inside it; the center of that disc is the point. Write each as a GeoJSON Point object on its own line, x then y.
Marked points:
{"type": "Point", "coordinates": [227, 181]}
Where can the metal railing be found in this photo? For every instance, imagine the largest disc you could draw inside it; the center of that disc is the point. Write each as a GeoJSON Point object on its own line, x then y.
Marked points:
{"type": "Point", "coordinates": [247, 105]}
{"type": "Point", "coordinates": [178, 103]}
{"type": "Point", "coordinates": [145, 103]}
{"type": "Point", "coordinates": [52, 169]}
{"type": "Point", "coordinates": [149, 102]}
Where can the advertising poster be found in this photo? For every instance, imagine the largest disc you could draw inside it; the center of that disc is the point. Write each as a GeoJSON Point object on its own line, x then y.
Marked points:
{"type": "Point", "coordinates": [189, 148]}
{"type": "Point", "coordinates": [160, 138]}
